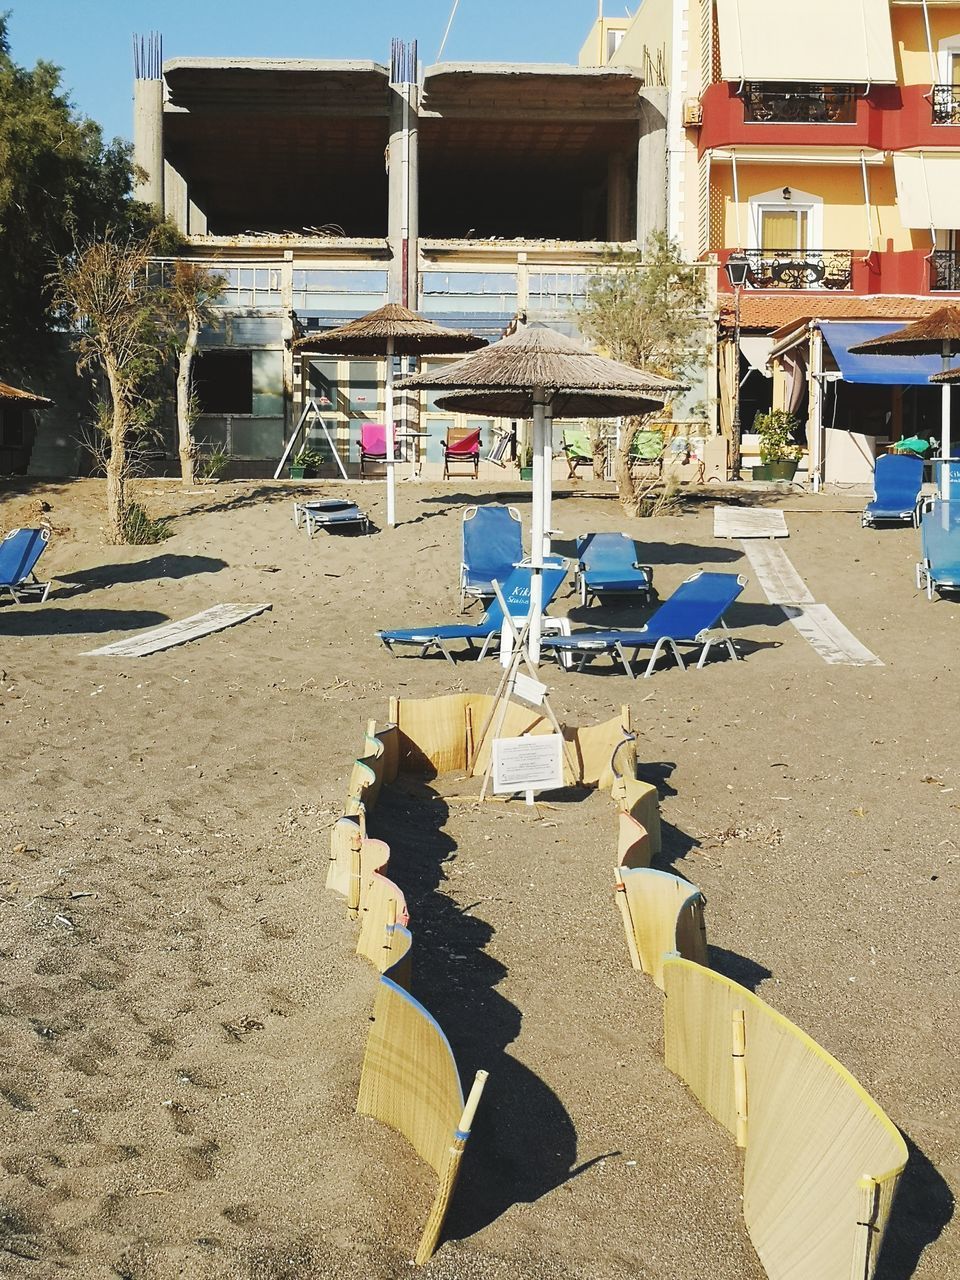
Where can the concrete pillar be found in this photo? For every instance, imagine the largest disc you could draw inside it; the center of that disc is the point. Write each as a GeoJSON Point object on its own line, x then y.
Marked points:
{"type": "Point", "coordinates": [395, 206]}
{"type": "Point", "coordinates": [196, 219]}
{"type": "Point", "coordinates": [618, 210]}
{"type": "Point", "coordinates": [176, 204]}
{"type": "Point", "coordinates": [148, 140]}
{"type": "Point", "coordinates": [652, 163]}
{"type": "Point", "coordinates": [413, 198]}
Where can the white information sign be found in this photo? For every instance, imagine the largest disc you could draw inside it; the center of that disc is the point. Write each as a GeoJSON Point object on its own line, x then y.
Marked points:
{"type": "Point", "coordinates": [528, 689]}
{"type": "Point", "coordinates": [531, 763]}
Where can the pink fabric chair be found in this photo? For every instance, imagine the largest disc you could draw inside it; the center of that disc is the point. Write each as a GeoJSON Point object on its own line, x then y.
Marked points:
{"type": "Point", "coordinates": [373, 445]}
{"type": "Point", "coordinates": [462, 445]}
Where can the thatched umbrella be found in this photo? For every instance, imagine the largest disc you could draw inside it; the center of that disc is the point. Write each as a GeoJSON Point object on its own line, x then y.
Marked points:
{"type": "Point", "coordinates": [935, 334]}
{"type": "Point", "coordinates": [536, 373]}
{"type": "Point", "coordinates": [14, 394]}
{"type": "Point", "coordinates": [387, 332]}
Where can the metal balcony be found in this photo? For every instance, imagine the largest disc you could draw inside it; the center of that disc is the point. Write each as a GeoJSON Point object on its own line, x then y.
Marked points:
{"type": "Point", "coordinates": [768, 103]}
{"type": "Point", "coordinates": [946, 104]}
{"type": "Point", "coordinates": [813, 269]}
{"type": "Point", "coordinates": [945, 269]}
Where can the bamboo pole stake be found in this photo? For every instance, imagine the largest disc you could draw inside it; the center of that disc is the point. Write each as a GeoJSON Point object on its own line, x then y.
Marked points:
{"type": "Point", "coordinates": [625, 916]}
{"type": "Point", "coordinates": [740, 1075]}
{"type": "Point", "coordinates": [450, 1173]}
{"type": "Point", "coordinates": [353, 889]}
{"type": "Point", "coordinates": [391, 926]}
{"type": "Point", "coordinates": [868, 1201]}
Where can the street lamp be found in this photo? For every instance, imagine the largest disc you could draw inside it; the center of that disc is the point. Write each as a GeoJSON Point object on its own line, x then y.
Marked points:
{"type": "Point", "coordinates": [737, 268]}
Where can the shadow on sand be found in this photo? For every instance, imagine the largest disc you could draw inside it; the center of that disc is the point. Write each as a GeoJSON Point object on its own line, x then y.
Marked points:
{"type": "Point", "coordinates": [44, 621]}
{"type": "Point", "coordinates": [152, 570]}
{"type": "Point", "coordinates": [524, 1143]}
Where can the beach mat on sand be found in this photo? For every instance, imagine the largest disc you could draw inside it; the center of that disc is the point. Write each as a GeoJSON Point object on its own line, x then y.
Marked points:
{"type": "Point", "coordinates": [749, 522]}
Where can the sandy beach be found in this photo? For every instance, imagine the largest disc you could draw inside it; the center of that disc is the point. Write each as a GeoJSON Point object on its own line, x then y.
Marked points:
{"type": "Point", "coordinates": [182, 1016]}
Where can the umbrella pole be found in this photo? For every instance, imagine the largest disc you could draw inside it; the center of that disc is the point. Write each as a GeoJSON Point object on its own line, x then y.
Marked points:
{"type": "Point", "coordinates": [390, 440]}
{"type": "Point", "coordinates": [945, 443]}
{"type": "Point", "coordinates": [547, 478]}
{"type": "Point", "coordinates": [537, 529]}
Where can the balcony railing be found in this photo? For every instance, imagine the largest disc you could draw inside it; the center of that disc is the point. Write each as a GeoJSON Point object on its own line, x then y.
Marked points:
{"type": "Point", "coordinates": [945, 269]}
{"type": "Point", "coordinates": [946, 104]}
{"type": "Point", "coordinates": [815, 269]}
{"type": "Point", "coordinates": [799, 104]}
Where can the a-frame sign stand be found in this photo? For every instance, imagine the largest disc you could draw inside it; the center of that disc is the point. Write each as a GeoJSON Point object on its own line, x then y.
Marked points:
{"type": "Point", "coordinates": [310, 408]}
{"type": "Point", "coordinates": [514, 683]}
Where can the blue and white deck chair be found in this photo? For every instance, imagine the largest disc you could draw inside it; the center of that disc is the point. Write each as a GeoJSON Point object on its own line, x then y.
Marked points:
{"type": "Point", "coordinates": [19, 552]}
{"type": "Point", "coordinates": [939, 566]}
{"type": "Point", "coordinates": [897, 480]}
{"type": "Point", "coordinates": [608, 567]}
{"type": "Point", "coordinates": [492, 546]}
{"type": "Point", "coordinates": [689, 617]}
{"type": "Point", "coordinates": [516, 593]}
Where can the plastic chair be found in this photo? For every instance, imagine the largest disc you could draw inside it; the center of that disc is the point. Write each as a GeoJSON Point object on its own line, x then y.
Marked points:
{"type": "Point", "coordinates": [577, 449]}
{"type": "Point", "coordinates": [373, 446]}
{"type": "Point", "coordinates": [939, 567]}
{"type": "Point", "coordinates": [19, 552]}
{"type": "Point", "coordinates": [688, 617]}
{"type": "Point", "coordinates": [516, 593]}
{"type": "Point", "coordinates": [609, 567]}
{"type": "Point", "coordinates": [492, 542]}
{"type": "Point", "coordinates": [897, 480]}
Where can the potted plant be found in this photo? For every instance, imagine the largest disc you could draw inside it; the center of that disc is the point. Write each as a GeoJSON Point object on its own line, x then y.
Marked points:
{"type": "Point", "coordinates": [779, 451]}
{"type": "Point", "coordinates": [525, 462]}
{"type": "Point", "coordinates": [306, 464]}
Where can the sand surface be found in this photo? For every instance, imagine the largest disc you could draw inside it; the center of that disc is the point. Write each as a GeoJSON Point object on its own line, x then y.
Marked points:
{"type": "Point", "coordinates": [182, 1017]}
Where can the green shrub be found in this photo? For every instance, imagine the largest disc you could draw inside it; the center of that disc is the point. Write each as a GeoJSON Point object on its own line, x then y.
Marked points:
{"type": "Point", "coordinates": [140, 531]}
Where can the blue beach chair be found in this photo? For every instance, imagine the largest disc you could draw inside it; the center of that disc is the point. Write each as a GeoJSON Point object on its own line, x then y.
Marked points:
{"type": "Point", "coordinates": [608, 567]}
{"type": "Point", "coordinates": [516, 592]}
{"type": "Point", "coordinates": [688, 617]}
{"type": "Point", "coordinates": [492, 546]}
{"type": "Point", "coordinates": [897, 480]}
{"type": "Point", "coordinates": [19, 552]}
{"type": "Point", "coordinates": [939, 567]}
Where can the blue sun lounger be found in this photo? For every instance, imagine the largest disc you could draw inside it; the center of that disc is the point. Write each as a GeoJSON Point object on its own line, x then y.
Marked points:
{"type": "Point", "coordinates": [939, 566]}
{"type": "Point", "coordinates": [19, 552]}
{"type": "Point", "coordinates": [608, 567]}
{"type": "Point", "coordinates": [492, 546]}
{"type": "Point", "coordinates": [897, 479]}
{"type": "Point", "coordinates": [516, 592]}
{"type": "Point", "coordinates": [688, 617]}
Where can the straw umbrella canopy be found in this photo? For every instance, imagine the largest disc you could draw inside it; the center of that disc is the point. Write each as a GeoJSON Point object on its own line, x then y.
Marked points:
{"type": "Point", "coordinates": [14, 394]}
{"type": "Point", "coordinates": [935, 334]}
{"type": "Point", "coordinates": [389, 331]}
{"type": "Point", "coordinates": [535, 373]}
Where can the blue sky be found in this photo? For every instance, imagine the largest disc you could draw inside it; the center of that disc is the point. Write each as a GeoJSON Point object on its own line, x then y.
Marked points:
{"type": "Point", "coordinates": [91, 39]}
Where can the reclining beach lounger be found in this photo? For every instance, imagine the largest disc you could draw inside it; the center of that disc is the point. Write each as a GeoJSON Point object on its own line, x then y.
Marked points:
{"type": "Point", "coordinates": [688, 617]}
{"type": "Point", "coordinates": [335, 516]}
{"type": "Point", "coordinates": [300, 509]}
{"type": "Point", "coordinates": [939, 566]}
{"type": "Point", "coordinates": [516, 592]}
{"type": "Point", "coordinates": [492, 542]}
{"type": "Point", "coordinates": [19, 552]}
{"type": "Point", "coordinates": [897, 479]}
{"type": "Point", "coordinates": [608, 567]}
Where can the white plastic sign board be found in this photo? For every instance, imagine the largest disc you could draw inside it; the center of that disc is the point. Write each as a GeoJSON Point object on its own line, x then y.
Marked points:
{"type": "Point", "coordinates": [528, 689]}
{"type": "Point", "coordinates": [531, 763]}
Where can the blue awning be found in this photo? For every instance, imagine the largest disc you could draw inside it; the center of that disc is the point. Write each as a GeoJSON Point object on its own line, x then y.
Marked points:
{"type": "Point", "coordinates": [892, 371]}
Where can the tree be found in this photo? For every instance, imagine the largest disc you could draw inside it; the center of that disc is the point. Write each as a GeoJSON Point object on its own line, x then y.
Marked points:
{"type": "Point", "coordinates": [109, 294]}
{"type": "Point", "coordinates": [191, 292]}
{"type": "Point", "coordinates": [648, 311]}
{"type": "Point", "coordinates": [59, 184]}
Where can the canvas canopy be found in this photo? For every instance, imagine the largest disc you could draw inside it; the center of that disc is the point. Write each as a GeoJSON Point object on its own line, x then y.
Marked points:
{"type": "Point", "coordinates": [927, 190]}
{"type": "Point", "coordinates": [817, 41]}
{"type": "Point", "coordinates": [879, 370]}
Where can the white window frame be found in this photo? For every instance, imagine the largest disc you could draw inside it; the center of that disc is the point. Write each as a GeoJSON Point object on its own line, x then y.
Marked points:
{"type": "Point", "coordinates": [773, 202]}
{"type": "Point", "coordinates": [947, 50]}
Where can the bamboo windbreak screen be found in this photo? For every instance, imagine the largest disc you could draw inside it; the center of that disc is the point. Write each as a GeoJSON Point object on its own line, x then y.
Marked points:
{"type": "Point", "coordinates": [664, 914]}
{"type": "Point", "coordinates": [822, 1159]}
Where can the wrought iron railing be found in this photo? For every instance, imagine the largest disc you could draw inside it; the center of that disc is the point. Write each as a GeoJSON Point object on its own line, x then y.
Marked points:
{"type": "Point", "coordinates": [946, 104]}
{"type": "Point", "coordinates": [799, 103]}
{"type": "Point", "coordinates": [945, 269]}
{"type": "Point", "coordinates": [815, 269]}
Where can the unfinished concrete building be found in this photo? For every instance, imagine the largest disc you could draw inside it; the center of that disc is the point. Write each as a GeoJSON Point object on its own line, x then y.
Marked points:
{"type": "Point", "coordinates": [320, 190]}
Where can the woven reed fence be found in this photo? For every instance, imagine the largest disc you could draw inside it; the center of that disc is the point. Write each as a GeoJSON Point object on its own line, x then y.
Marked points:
{"type": "Point", "coordinates": [822, 1160]}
